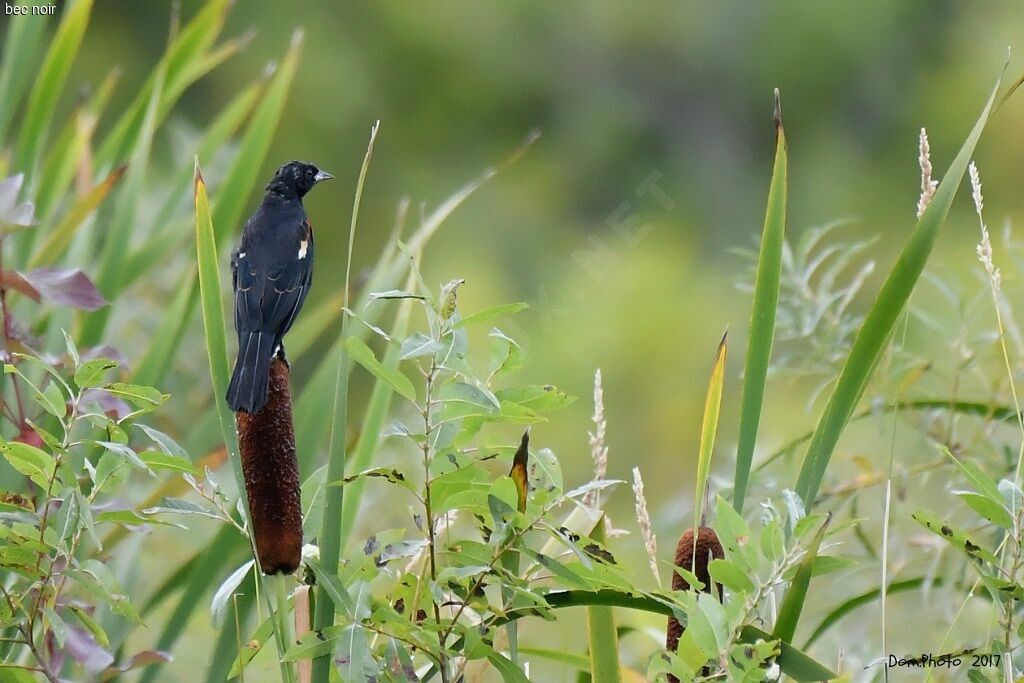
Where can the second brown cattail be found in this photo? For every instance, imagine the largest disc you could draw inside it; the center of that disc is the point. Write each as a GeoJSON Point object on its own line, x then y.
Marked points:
{"type": "Point", "coordinates": [707, 548]}
{"type": "Point", "coordinates": [266, 440]}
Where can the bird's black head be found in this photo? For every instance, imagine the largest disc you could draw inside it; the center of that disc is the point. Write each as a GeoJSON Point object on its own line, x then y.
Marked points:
{"type": "Point", "coordinates": [296, 178]}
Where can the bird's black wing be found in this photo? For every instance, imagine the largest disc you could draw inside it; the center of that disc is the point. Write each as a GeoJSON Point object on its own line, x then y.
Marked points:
{"type": "Point", "coordinates": [303, 276]}
{"type": "Point", "coordinates": [270, 291]}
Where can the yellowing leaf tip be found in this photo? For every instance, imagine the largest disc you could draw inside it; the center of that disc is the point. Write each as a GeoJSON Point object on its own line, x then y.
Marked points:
{"type": "Point", "coordinates": [777, 115]}
{"type": "Point", "coordinates": [198, 174]}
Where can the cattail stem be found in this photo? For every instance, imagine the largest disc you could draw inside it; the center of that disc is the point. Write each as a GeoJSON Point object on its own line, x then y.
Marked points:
{"type": "Point", "coordinates": [266, 440]}
{"type": "Point", "coordinates": [694, 556]}
{"type": "Point", "coordinates": [302, 625]}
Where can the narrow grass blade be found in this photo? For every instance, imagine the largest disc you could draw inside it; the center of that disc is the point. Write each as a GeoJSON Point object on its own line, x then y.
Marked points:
{"type": "Point", "coordinates": [217, 351]}
{"type": "Point", "coordinates": [762, 317]}
{"type": "Point", "coordinates": [252, 151]}
{"type": "Point", "coordinates": [49, 83]}
{"type": "Point", "coordinates": [310, 425]}
{"type": "Point", "coordinates": [19, 65]}
{"type": "Point", "coordinates": [881, 318]}
{"type": "Point", "coordinates": [602, 638]}
{"type": "Point", "coordinates": [314, 324]}
{"type": "Point", "coordinates": [373, 423]}
{"type": "Point", "coordinates": [330, 534]}
{"type": "Point", "coordinates": [190, 45]}
{"type": "Point", "coordinates": [866, 598]}
{"type": "Point", "coordinates": [118, 237]}
{"type": "Point", "coordinates": [70, 148]}
{"type": "Point", "coordinates": [575, 660]}
{"type": "Point", "coordinates": [210, 562]}
{"type": "Point", "coordinates": [158, 358]}
{"type": "Point", "coordinates": [60, 236]}
{"type": "Point", "coordinates": [235, 190]}
{"type": "Point", "coordinates": [793, 601]}
{"type": "Point", "coordinates": [213, 323]}
{"type": "Point", "coordinates": [231, 640]}
{"type": "Point", "coordinates": [709, 429]}
{"type": "Point", "coordinates": [979, 409]}
{"type": "Point", "coordinates": [793, 662]}
{"type": "Point", "coordinates": [217, 134]}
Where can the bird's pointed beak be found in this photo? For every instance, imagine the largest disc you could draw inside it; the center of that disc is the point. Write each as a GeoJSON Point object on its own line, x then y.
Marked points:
{"type": "Point", "coordinates": [322, 175]}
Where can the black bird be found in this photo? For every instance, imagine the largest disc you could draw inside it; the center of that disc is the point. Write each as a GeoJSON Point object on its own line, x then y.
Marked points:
{"type": "Point", "coordinates": [271, 273]}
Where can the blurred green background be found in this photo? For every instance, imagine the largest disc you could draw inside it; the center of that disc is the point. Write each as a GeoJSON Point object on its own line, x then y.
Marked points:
{"type": "Point", "coordinates": [653, 163]}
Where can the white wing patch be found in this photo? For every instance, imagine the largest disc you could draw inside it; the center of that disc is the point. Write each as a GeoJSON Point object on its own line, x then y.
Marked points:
{"type": "Point", "coordinates": [303, 248]}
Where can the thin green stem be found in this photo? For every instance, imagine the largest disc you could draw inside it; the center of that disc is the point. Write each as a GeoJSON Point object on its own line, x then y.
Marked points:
{"type": "Point", "coordinates": [427, 508]}
{"type": "Point", "coordinates": [330, 534]}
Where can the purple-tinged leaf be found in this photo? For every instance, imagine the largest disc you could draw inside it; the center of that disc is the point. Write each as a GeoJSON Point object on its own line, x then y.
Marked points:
{"type": "Point", "coordinates": [84, 649]}
{"type": "Point", "coordinates": [66, 287]}
{"type": "Point", "coordinates": [142, 659]}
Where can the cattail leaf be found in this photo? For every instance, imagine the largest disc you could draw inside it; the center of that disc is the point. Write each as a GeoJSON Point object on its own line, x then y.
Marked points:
{"type": "Point", "coordinates": [192, 578]}
{"type": "Point", "coordinates": [48, 84]}
{"type": "Point", "coordinates": [244, 171]}
{"type": "Point", "coordinates": [312, 495]}
{"type": "Point", "coordinates": [573, 659]}
{"type": "Point", "coordinates": [59, 238]}
{"type": "Point", "coordinates": [179, 63]}
{"type": "Point", "coordinates": [709, 428]}
{"type": "Point", "coordinates": [226, 650]}
{"type": "Point", "coordinates": [19, 65]}
{"type": "Point", "coordinates": [372, 426]}
{"type": "Point", "coordinates": [117, 236]}
{"type": "Point", "coordinates": [877, 327]}
{"type": "Point", "coordinates": [212, 304]}
{"type": "Point", "coordinates": [259, 638]}
{"type": "Point", "coordinates": [235, 190]}
{"type": "Point", "coordinates": [793, 662]}
{"type": "Point", "coordinates": [72, 146]}
{"type": "Point", "coordinates": [866, 598]}
{"type": "Point", "coordinates": [337, 444]}
{"type": "Point", "coordinates": [983, 409]}
{"type": "Point", "coordinates": [793, 602]}
{"type": "Point", "coordinates": [762, 316]}
{"type": "Point", "coordinates": [602, 638]}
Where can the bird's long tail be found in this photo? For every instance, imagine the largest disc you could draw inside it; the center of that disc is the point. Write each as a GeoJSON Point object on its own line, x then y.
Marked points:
{"type": "Point", "coordinates": [248, 388]}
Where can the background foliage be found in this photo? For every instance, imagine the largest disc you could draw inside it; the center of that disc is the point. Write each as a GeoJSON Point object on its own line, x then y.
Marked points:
{"type": "Point", "coordinates": [616, 227]}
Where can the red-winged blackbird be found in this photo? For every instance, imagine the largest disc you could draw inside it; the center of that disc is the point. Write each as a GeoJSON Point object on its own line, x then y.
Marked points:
{"type": "Point", "coordinates": [271, 273]}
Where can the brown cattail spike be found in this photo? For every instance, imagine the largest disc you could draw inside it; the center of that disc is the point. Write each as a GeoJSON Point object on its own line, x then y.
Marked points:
{"type": "Point", "coordinates": [707, 549]}
{"type": "Point", "coordinates": [266, 440]}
